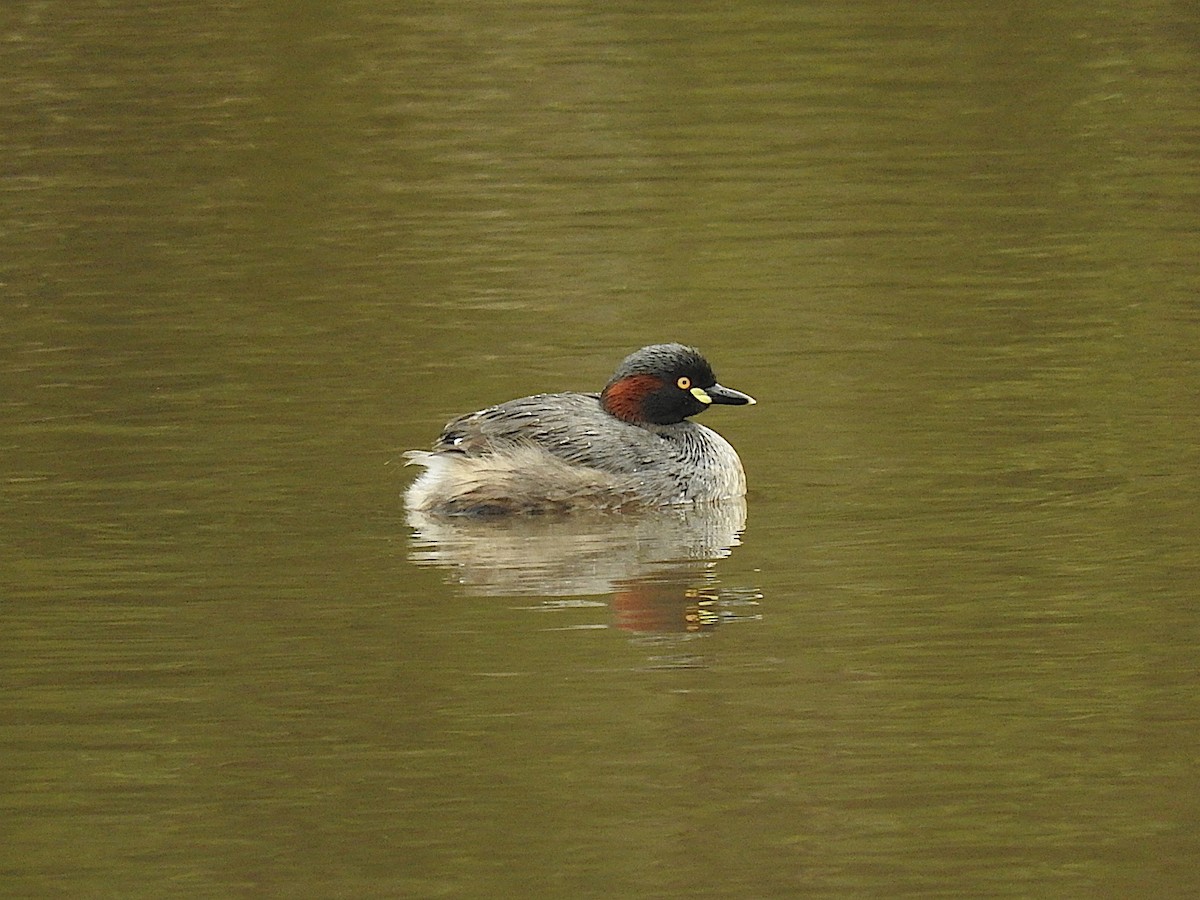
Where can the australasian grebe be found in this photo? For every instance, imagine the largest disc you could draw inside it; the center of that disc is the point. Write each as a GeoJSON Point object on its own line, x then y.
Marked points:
{"type": "Point", "coordinates": [630, 445]}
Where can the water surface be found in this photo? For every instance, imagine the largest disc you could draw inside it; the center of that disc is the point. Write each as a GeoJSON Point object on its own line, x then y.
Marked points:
{"type": "Point", "coordinates": [251, 255]}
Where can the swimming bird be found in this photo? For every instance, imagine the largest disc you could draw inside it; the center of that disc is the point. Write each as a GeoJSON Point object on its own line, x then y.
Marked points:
{"type": "Point", "coordinates": [630, 445]}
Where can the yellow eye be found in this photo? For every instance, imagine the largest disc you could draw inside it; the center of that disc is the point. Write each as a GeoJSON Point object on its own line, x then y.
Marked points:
{"type": "Point", "coordinates": [683, 383]}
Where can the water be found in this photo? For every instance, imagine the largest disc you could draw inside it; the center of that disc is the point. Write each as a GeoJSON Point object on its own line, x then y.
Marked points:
{"type": "Point", "coordinates": [250, 256]}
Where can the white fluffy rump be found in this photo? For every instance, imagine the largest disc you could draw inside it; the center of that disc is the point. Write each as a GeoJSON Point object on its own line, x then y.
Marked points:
{"type": "Point", "coordinates": [514, 480]}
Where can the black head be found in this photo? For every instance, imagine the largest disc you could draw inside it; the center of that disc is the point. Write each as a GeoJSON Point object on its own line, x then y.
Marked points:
{"type": "Point", "coordinates": [664, 384]}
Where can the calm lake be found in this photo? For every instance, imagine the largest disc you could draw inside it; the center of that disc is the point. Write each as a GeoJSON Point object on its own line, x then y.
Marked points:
{"type": "Point", "coordinates": [949, 645]}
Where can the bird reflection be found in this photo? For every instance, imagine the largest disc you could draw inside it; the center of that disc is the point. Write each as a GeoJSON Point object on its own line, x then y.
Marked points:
{"type": "Point", "coordinates": [657, 567]}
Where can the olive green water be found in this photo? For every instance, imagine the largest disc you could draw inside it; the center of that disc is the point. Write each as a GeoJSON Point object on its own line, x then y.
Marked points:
{"type": "Point", "coordinates": [250, 255]}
